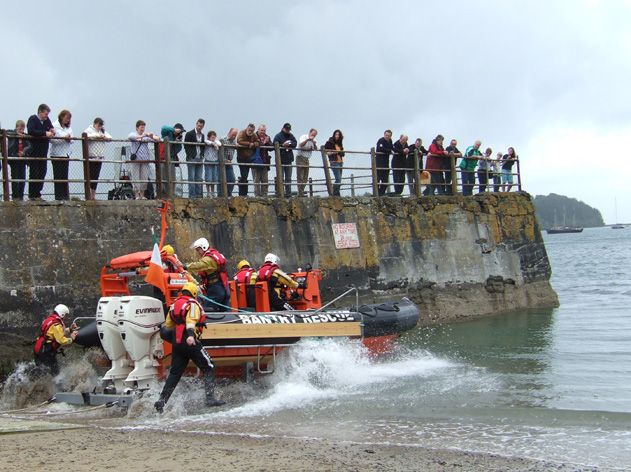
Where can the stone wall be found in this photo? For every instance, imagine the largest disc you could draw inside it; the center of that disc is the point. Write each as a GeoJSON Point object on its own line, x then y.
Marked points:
{"type": "Point", "coordinates": [456, 257]}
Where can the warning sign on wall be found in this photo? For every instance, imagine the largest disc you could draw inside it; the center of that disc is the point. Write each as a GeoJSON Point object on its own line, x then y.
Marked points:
{"type": "Point", "coordinates": [345, 235]}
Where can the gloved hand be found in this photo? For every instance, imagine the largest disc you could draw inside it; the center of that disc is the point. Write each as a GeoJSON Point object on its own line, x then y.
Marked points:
{"type": "Point", "coordinates": [73, 335]}
{"type": "Point", "coordinates": [302, 285]}
{"type": "Point", "coordinates": [295, 296]}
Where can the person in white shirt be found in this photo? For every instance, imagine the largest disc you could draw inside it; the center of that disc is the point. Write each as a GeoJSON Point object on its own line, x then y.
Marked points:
{"type": "Point", "coordinates": [306, 145]}
{"type": "Point", "coordinates": [60, 152]}
{"type": "Point", "coordinates": [96, 135]}
{"type": "Point", "coordinates": [211, 163]}
{"type": "Point", "coordinates": [140, 157]}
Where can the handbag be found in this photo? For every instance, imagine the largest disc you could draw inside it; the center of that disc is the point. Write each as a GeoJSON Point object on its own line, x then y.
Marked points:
{"type": "Point", "coordinates": [133, 156]}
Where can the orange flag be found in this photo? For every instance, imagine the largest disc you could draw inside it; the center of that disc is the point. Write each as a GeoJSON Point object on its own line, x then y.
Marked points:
{"type": "Point", "coordinates": [155, 274]}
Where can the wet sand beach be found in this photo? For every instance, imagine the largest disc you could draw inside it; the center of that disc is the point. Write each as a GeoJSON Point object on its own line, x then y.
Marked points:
{"type": "Point", "coordinates": [94, 449]}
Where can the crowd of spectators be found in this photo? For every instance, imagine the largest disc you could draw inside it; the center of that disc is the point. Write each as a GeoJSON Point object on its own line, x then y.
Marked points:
{"type": "Point", "coordinates": [253, 148]}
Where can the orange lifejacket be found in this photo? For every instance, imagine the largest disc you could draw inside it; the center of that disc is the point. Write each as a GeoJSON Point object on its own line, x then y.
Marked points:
{"type": "Point", "coordinates": [244, 276]}
{"type": "Point", "coordinates": [222, 271]}
{"type": "Point", "coordinates": [178, 315]}
{"type": "Point", "coordinates": [48, 323]}
{"type": "Point", "coordinates": [266, 271]}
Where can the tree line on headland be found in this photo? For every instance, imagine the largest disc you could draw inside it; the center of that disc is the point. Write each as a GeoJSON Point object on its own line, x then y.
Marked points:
{"type": "Point", "coordinates": [559, 210]}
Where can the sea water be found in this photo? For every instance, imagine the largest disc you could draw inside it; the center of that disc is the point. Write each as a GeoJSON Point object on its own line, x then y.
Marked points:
{"type": "Point", "coordinates": [544, 384]}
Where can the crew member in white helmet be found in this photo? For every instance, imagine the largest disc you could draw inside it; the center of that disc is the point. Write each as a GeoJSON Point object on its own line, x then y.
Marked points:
{"type": "Point", "coordinates": [53, 336]}
{"type": "Point", "coordinates": [277, 280]}
{"type": "Point", "coordinates": [211, 267]}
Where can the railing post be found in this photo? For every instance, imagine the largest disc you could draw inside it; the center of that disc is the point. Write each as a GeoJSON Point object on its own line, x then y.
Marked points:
{"type": "Point", "coordinates": [417, 174]}
{"type": "Point", "coordinates": [157, 164]}
{"type": "Point", "coordinates": [352, 185]}
{"type": "Point", "coordinates": [310, 187]}
{"type": "Point", "coordinates": [170, 187]}
{"type": "Point", "coordinates": [280, 178]}
{"type": "Point", "coordinates": [222, 174]}
{"type": "Point", "coordinates": [373, 163]}
{"type": "Point", "coordinates": [454, 176]}
{"type": "Point", "coordinates": [518, 175]}
{"type": "Point", "coordinates": [327, 171]}
{"type": "Point", "coordinates": [86, 166]}
{"type": "Point", "coordinates": [4, 145]}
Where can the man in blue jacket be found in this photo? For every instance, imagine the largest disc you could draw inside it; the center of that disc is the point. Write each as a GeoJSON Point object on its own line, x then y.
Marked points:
{"type": "Point", "coordinates": [287, 141]}
{"type": "Point", "coordinates": [40, 127]}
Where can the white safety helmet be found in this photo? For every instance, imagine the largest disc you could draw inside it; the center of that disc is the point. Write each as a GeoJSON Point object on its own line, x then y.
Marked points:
{"type": "Point", "coordinates": [62, 310]}
{"type": "Point", "coordinates": [201, 243]}
{"type": "Point", "coordinates": [273, 258]}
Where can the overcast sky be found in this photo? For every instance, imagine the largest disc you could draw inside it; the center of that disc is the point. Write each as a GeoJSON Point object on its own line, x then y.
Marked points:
{"type": "Point", "coordinates": [551, 78]}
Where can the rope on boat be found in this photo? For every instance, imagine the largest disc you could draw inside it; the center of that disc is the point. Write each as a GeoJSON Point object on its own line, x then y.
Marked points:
{"type": "Point", "coordinates": [99, 407]}
{"type": "Point", "coordinates": [50, 400]}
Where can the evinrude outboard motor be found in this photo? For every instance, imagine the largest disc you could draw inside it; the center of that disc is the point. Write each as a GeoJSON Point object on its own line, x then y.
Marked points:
{"type": "Point", "coordinates": [107, 317]}
{"type": "Point", "coordinates": [139, 329]}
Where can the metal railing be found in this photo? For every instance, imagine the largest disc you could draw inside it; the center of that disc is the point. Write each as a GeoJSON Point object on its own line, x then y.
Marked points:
{"type": "Point", "coordinates": [113, 175]}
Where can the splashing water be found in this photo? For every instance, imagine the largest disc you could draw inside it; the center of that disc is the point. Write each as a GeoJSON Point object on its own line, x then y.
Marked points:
{"type": "Point", "coordinates": [317, 370]}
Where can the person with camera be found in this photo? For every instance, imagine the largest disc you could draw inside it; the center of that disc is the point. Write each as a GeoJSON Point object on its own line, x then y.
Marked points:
{"type": "Point", "coordinates": [140, 158]}
{"type": "Point", "coordinates": [96, 135]}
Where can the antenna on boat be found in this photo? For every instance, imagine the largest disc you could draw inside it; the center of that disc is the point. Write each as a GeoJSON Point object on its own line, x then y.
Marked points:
{"type": "Point", "coordinates": [164, 208]}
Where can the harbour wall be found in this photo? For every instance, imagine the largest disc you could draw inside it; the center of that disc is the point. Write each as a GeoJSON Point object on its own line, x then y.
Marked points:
{"type": "Point", "coordinates": [457, 257]}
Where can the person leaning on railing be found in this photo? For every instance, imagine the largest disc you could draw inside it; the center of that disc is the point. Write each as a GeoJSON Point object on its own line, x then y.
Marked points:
{"type": "Point", "coordinates": [248, 142]}
{"type": "Point", "coordinates": [452, 152]}
{"type": "Point", "coordinates": [400, 152]}
{"type": "Point", "coordinates": [435, 165]}
{"type": "Point", "coordinates": [409, 163]}
{"type": "Point", "coordinates": [172, 137]}
{"type": "Point", "coordinates": [508, 160]}
{"type": "Point", "coordinates": [287, 141]}
{"type": "Point", "coordinates": [140, 157]}
{"type": "Point", "coordinates": [336, 159]}
{"type": "Point", "coordinates": [467, 167]}
{"type": "Point", "coordinates": [96, 135]}
{"type": "Point", "coordinates": [40, 127]}
{"type": "Point", "coordinates": [211, 163]}
{"type": "Point", "coordinates": [384, 148]}
{"type": "Point", "coordinates": [484, 170]}
{"type": "Point", "coordinates": [18, 149]}
{"type": "Point", "coordinates": [497, 172]}
{"type": "Point", "coordinates": [228, 151]}
{"type": "Point", "coordinates": [306, 145]}
{"type": "Point", "coordinates": [195, 159]}
{"type": "Point", "coordinates": [261, 172]}
{"type": "Point", "coordinates": [60, 153]}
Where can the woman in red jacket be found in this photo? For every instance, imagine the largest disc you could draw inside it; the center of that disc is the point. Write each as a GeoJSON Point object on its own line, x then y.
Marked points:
{"type": "Point", "coordinates": [435, 164]}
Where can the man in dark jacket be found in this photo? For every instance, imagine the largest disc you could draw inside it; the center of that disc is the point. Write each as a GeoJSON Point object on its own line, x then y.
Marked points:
{"type": "Point", "coordinates": [400, 152]}
{"type": "Point", "coordinates": [195, 158]}
{"type": "Point", "coordinates": [40, 127]}
{"type": "Point", "coordinates": [287, 141]}
{"type": "Point", "coordinates": [452, 150]}
{"type": "Point", "coordinates": [409, 163]}
{"type": "Point", "coordinates": [384, 149]}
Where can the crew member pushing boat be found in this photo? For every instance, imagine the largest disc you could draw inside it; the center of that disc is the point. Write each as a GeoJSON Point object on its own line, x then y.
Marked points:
{"type": "Point", "coordinates": [211, 267]}
{"type": "Point", "coordinates": [53, 336]}
{"type": "Point", "coordinates": [183, 327]}
{"type": "Point", "coordinates": [277, 280]}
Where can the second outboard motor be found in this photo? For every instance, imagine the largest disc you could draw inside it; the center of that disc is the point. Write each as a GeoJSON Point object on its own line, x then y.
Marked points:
{"type": "Point", "coordinates": [139, 327]}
